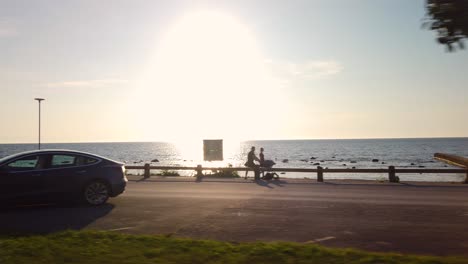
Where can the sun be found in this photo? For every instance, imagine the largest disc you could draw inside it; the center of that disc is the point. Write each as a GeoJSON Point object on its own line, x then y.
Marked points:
{"type": "Point", "coordinates": [207, 79]}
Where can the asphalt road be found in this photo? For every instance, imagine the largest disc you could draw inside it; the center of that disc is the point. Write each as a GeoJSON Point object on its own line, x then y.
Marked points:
{"type": "Point", "coordinates": [410, 218]}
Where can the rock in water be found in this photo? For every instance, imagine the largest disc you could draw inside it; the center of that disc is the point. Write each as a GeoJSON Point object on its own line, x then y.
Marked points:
{"type": "Point", "coordinates": [375, 160]}
{"type": "Point", "coordinates": [155, 160]}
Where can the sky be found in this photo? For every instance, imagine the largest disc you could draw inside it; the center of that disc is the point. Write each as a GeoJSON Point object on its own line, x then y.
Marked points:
{"type": "Point", "coordinates": [247, 69]}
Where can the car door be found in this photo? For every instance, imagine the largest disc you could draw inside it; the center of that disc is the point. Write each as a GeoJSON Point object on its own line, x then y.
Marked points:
{"type": "Point", "coordinates": [63, 173]}
{"type": "Point", "coordinates": [23, 177]}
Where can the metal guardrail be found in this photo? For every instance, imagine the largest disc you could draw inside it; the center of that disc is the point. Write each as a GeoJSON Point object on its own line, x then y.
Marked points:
{"type": "Point", "coordinates": [391, 170]}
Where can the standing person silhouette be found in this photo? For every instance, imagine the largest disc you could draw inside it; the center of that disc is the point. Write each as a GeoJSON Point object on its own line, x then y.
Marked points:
{"type": "Point", "coordinates": [262, 157]}
{"type": "Point", "coordinates": [262, 160]}
{"type": "Point", "coordinates": [251, 158]}
{"type": "Point", "coordinates": [265, 164]}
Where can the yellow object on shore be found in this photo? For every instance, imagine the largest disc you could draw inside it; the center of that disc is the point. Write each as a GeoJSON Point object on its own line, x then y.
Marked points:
{"type": "Point", "coordinates": [452, 159]}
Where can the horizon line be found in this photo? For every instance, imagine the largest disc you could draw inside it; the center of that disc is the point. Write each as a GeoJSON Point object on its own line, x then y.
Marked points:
{"type": "Point", "coordinates": [242, 140]}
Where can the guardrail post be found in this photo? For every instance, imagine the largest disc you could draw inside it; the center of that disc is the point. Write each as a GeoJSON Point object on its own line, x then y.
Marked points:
{"type": "Point", "coordinates": [199, 171]}
{"type": "Point", "coordinates": [319, 174]}
{"type": "Point", "coordinates": [391, 174]}
{"type": "Point", "coordinates": [146, 173]}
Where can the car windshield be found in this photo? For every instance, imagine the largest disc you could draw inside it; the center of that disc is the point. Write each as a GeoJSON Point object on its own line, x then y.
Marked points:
{"type": "Point", "coordinates": [7, 158]}
{"type": "Point", "coordinates": [2, 160]}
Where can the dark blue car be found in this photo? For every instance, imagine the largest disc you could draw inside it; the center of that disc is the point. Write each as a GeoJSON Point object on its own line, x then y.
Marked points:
{"type": "Point", "coordinates": [60, 174]}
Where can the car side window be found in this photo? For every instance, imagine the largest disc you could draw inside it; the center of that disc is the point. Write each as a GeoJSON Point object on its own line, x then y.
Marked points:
{"type": "Point", "coordinates": [82, 160]}
{"type": "Point", "coordinates": [24, 164]}
{"type": "Point", "coordinates": [61, 160]}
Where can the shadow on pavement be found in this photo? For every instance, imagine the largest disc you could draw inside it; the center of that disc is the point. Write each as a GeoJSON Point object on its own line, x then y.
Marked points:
{"type": "Point", "coordinates": [278, 183]}
{"type": "Point", "coordinates": [401, 184]}
{"type": "Point", "coordinates": [42, 219]}
{"type": "Point", "coordinates": [283, 182]}
{"type": "Point", "coordinates": [214, 180]}
{"type": "Point", "coordinates": [263, 183]}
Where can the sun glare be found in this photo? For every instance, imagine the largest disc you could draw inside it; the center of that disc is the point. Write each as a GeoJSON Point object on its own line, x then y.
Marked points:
{"type": "Point", "coordinates": [208, 80]}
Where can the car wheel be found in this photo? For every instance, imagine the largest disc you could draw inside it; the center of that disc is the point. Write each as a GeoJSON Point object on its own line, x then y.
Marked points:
{"type": "Point", "coordinates": [96, 193]}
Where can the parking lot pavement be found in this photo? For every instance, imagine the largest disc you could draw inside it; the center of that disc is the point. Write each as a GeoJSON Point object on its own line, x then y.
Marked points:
{"type": "Point", "coordinates": [411, 218]}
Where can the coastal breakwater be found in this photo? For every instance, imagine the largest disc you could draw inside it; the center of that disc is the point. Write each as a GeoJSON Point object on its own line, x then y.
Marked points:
{"type": "Point", "coordinates": [452, 159]}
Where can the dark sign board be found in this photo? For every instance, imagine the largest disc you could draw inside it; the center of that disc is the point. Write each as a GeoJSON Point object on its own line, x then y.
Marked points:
{"type": "Point", "coordinates": [212, 149]}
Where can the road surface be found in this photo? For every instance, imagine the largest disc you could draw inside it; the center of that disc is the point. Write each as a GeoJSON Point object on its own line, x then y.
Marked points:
{"type": "Point", "coordinates": [418, 218]}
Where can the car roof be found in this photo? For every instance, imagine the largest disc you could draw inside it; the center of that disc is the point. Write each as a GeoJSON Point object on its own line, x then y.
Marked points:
{"type": "Point", "coordinates": [50, 151]}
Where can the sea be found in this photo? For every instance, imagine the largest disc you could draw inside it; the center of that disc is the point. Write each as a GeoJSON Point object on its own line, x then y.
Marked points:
{"type": "Point", "coordinates": [330, 153]}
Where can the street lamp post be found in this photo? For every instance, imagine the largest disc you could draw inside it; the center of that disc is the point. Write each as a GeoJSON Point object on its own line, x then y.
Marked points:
{"type": "Point", "coordinates": [39, 101]}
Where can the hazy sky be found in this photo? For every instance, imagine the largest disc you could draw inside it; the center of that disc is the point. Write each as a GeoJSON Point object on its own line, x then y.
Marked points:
{"type": "Point", "coordinates": [185, 70]}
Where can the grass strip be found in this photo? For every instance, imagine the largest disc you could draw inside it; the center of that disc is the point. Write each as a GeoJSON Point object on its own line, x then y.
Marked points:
{"type": "Point", "coordinates": [113, 247]}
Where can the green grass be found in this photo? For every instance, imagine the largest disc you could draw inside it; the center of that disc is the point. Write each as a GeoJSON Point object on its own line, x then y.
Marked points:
{"type": "Point", "coordinates": [111, 247]}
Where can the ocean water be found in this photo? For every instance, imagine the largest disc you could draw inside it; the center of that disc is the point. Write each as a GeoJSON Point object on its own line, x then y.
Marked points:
{"type": "Point", "coordinates": [358, 153]}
